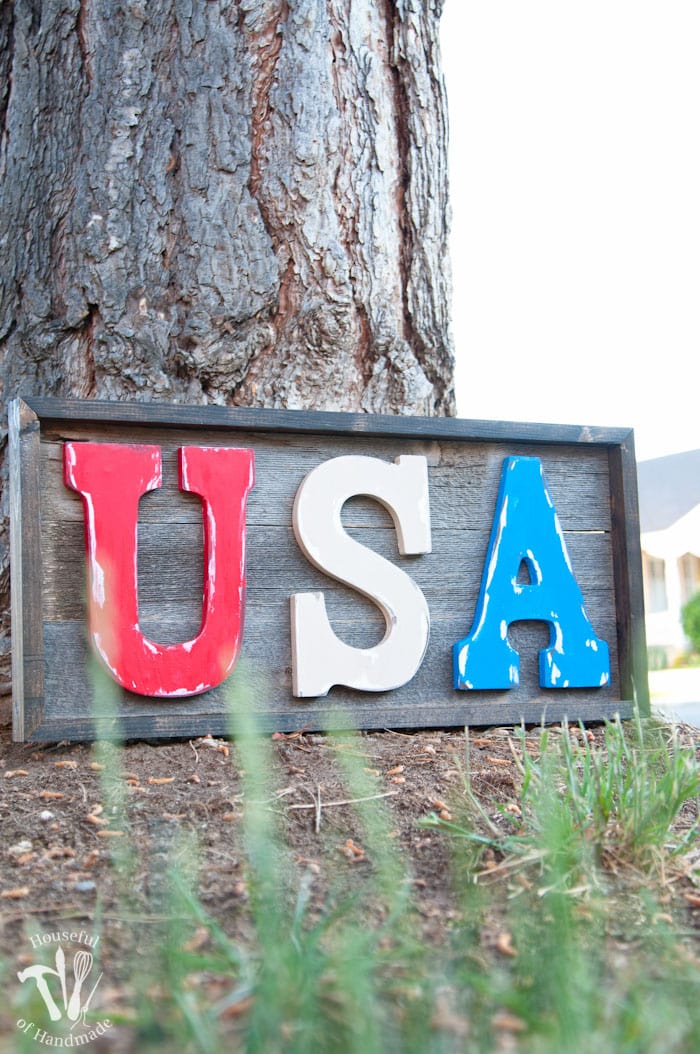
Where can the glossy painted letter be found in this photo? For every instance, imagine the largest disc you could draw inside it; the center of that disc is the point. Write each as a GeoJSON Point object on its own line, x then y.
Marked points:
{"type": "Point", "coordinates": [526, 530]}
{"type": "Point", "coordinates": [319, 659]}
{"type": "Point", "coordinates": [111, 478]}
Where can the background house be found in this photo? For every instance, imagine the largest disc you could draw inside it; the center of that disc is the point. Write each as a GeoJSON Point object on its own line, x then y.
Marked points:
{"type": "Point", "coordinates": [669, 507]}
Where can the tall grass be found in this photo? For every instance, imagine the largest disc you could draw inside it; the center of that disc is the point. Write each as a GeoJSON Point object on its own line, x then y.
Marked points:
{"type": "Point", "coordinates": [564, 936]}
{"type": "Point", "coordinates": [583, 806]}
{"type": "Point", "coordinates": [595, 961]}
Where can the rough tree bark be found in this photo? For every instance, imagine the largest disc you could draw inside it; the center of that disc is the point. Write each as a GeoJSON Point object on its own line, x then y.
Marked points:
{"type": "Point", "coordinates": [217, 201]}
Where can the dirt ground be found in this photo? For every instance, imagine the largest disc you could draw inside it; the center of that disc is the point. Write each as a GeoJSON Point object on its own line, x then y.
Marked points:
{"type": "Point", "coordinates": [60, 846]}
{"type": "Point", "coordinates": [59, 840]}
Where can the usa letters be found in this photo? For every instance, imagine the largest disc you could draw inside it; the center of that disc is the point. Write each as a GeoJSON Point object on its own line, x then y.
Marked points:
{"type": "Point", "coordinates": [527, 575]}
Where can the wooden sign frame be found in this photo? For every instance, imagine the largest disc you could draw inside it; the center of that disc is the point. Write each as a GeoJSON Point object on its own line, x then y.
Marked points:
{"type": "Point", "coordinates": [593, 481]}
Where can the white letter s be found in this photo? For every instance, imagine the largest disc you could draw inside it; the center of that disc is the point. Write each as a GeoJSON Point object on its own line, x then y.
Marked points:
{"type": "Point", "coordinates": [319, 658]}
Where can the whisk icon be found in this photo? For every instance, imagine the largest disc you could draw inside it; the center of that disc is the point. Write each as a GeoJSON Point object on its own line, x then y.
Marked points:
{"type": "Point", "coordinates": [82, 965]}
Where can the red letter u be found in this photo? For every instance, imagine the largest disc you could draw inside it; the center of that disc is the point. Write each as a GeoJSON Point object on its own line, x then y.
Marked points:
{"type": "Point", "coordinates": [111, 477]}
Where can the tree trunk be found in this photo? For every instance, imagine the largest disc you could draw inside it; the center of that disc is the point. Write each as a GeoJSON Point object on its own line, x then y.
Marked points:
{"type": "Point", "coordinates": [231, 202]}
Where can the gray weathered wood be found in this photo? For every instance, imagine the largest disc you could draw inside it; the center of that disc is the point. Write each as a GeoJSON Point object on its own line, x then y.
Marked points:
{"type": "Point", "coordinates": [464, 476]}
{"type": "Point", "coordinates": [27, 569]}
{"type": "Point", "coordinates": [627, 560]}
{"type": "Point", "coordinates": [460, 489]}
{"type": "Point", "coordinates": [299, 422]}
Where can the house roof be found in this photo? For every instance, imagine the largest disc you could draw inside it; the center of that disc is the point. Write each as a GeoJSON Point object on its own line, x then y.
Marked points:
{"type": "Point", "coordinates": [669, 487]}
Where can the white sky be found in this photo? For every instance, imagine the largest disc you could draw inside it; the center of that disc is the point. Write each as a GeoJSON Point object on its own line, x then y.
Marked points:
{"type": "Point", "coordinates": [575, 173]}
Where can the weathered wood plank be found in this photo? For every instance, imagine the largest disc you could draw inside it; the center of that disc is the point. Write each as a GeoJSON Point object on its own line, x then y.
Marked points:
{"type": "Point", "coordinates": [319, 422]}
{"type": "Point", "coordinates": [463, 483]}
{"type": "Point", "coordinates": [220, 724]}
{"type": "Point", "coordinates": [262, 681]}
{"type": "Point", "coordinates": [26, 567]}
{"type": "Point", "coordinates": [449, 576]}
{"type": "Point", "coordinates": [627, 563]}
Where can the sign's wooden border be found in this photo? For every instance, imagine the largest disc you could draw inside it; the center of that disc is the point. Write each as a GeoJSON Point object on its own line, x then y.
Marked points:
{"type": "Point", "coordinates": [28, 417]}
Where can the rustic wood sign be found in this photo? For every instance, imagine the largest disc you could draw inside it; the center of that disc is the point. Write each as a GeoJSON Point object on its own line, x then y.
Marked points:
{"type": "Point", "coordinates": [325, 570]}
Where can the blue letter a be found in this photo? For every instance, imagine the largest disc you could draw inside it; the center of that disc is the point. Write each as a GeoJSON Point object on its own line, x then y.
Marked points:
{"type": "Point", "coordinates": [526, 530]}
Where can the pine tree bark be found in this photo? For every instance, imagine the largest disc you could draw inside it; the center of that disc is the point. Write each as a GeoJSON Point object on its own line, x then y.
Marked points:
{"type": "Point", "coordinates": [230, 202]}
